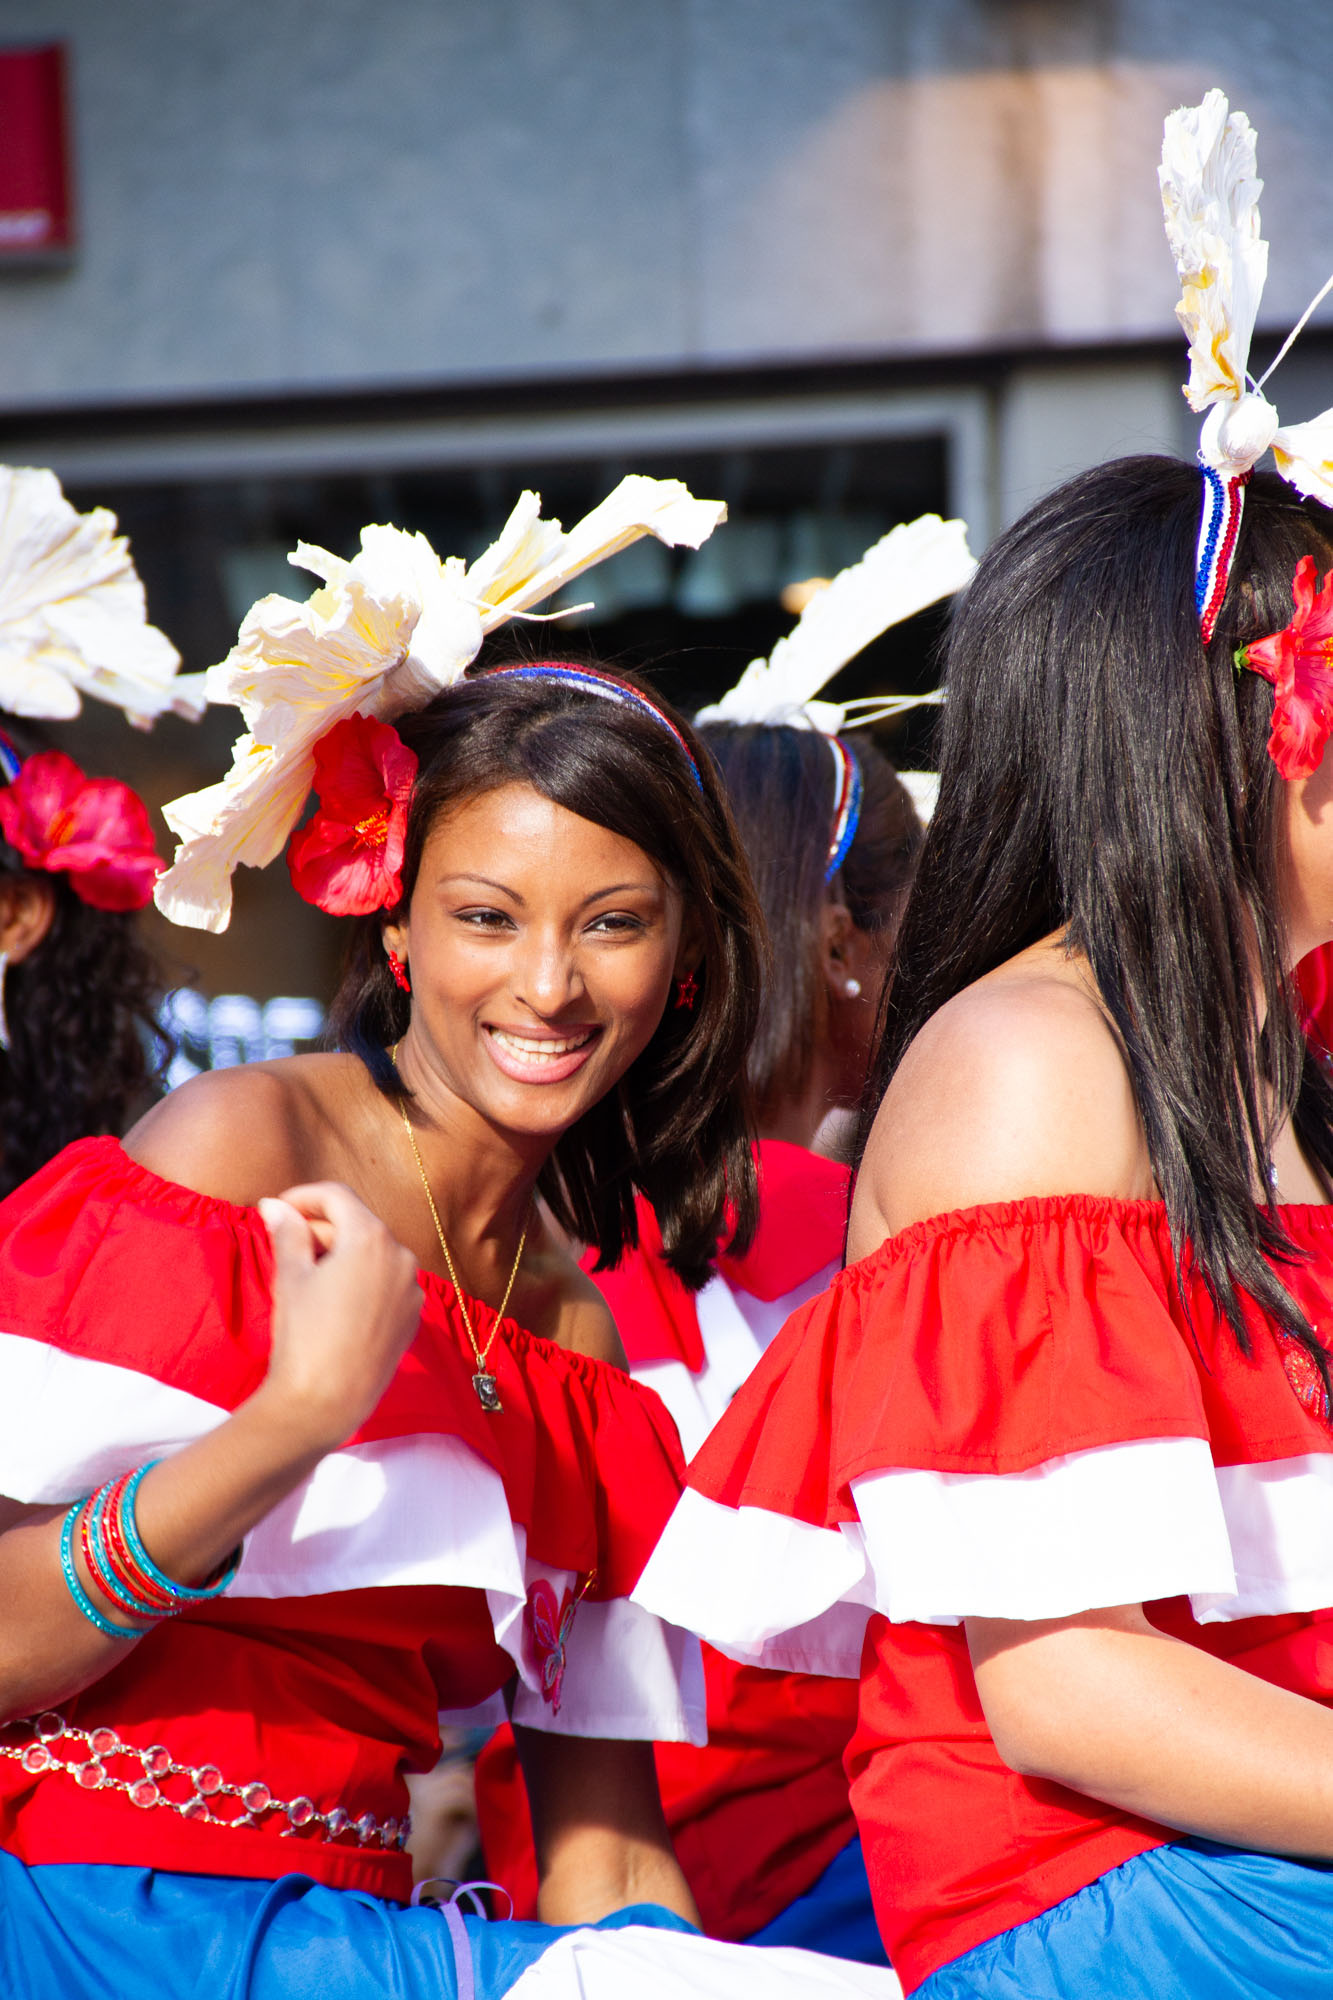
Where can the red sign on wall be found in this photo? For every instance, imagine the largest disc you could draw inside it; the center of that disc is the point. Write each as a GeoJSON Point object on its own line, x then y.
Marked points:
{"type": "Point", "coordinates": [35, 201]}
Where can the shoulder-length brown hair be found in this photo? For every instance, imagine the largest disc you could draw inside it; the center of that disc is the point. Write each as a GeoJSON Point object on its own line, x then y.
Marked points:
{"type": "Point", "coordinates": [677, 1126]}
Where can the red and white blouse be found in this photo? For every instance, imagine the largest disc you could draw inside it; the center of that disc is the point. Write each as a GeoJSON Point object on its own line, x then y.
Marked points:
{"type": "Point", "coordinates": [421, 1568]}
{"type": "Point", "coordinates": [759, 1811]}
{"type": "Point", "coordinates": [1007, 1412]}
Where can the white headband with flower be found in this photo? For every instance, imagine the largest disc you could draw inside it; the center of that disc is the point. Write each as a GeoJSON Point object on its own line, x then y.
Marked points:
{"type": "Point", "coordinates": [73, 621]}
{"type": "Point", "coordinates": [1210, 199]}
{"type": "Point", "coordinates": [386, 632]}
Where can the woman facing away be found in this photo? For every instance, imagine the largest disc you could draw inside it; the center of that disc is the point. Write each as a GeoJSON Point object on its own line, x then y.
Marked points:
{"type": "Point", "coordinates": [759, 1816]}
{"type": "Point", "coordinates": [1055, 1448]}
{"type": "Point", "coordinates": [308, 1319]}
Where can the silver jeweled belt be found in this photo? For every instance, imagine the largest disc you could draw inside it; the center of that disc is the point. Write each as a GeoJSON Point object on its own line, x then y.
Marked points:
{"type": "Point", "coordinates": [152, 1768]}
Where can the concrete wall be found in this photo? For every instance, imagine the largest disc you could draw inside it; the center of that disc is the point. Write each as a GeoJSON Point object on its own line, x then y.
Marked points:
{"type": "Point", "coordinates": [322, 193]}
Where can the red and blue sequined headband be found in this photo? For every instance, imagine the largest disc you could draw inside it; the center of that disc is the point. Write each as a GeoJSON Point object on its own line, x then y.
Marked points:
{"type": "Point", "coordinates": [848, 787]}
{"type": "Point", "coordinates": [587, 681]}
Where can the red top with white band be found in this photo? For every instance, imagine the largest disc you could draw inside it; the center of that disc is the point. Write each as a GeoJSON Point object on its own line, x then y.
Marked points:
{"type": "Point", "coordinates": [1003, 1413]}
{"type": "Point", "coordinates": [399, 1581]}
{"type": "Point", "coordinates": [758, 1812]}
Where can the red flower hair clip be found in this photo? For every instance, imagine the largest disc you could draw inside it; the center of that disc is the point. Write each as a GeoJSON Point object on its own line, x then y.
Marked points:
{"type": "Point", "coordinates": [1299, 662]}
{"type": "Point", "coordinates": [95, 830]}
{"type": "Point", "coordinates": [348, 858]}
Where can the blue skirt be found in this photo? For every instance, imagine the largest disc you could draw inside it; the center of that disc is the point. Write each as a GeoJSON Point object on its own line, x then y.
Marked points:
{"type": "Point", "coordinates": [834, 1915]}
{"type": "Point", "coordinates": [104, 1933]}
{"type": "Point", "coordinates": [1190, 1919]}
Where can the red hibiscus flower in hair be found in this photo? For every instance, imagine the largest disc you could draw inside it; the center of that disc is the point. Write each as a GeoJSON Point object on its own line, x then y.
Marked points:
{"type": "Point", "coordinates": [1299, 662]}
{"type": "Point", "coordinates": [95, 830]}
{"type": "Point", "coordinates": [348, 858]}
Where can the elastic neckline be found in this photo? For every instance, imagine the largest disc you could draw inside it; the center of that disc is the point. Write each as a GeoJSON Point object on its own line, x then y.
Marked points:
{"type": "Point", "coordinates": [1029, 1211]}
{"type": "Point", "coordinates": [176, 1195]}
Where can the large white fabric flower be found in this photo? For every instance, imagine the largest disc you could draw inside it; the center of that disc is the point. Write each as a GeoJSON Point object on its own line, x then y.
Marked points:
{"type": "Point", "coordinates": [382, 636]}
{"type": "Point", "coordinates": [1210, 201]}
{"type": "Point", "coordinates": [73, 621]}
{"type": "Point", "coordinates": [912, 566]}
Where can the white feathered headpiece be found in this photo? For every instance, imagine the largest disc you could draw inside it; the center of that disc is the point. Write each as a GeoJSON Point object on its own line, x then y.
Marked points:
{"type": "Point", "coordinates": [73, 621]}
{"type": "Point", "coordinates": [385, 633]}
{"type": "Point", "coordinates": [1210, 196]}
{"type": "Point", "coordinates": [912, 566]}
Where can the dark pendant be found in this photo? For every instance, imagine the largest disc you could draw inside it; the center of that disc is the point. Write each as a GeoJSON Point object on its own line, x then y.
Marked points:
{"type": "Point", "coordinates": [488, 1390]}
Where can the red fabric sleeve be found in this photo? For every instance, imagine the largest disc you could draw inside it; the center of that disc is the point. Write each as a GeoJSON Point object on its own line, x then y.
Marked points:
{"type": "Point", "coordinates": [104, 1262]}
{"type": "Point", "coordinates": [993, 1341]}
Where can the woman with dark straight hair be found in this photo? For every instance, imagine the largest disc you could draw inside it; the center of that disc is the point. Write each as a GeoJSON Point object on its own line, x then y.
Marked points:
{"type": "Point", "coordinates": [1049, 1466]}
{"type": "Point", "coordinates": [312, 1429]}
{"type": "Point", "coordinates": [759, 1815]}
{"type": "Point", "coordinates": [829, 939]}
{"type": "Point", "coordinates": [1074, 1368]}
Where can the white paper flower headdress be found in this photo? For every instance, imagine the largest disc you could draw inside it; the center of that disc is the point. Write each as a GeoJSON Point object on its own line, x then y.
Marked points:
{"type": "Point", "coordinates": [914, 565]}
{"type": "Point", "coordinates": [1210, 196]}
{"type": "Point", "coordinates": [386, 632]}
{"type": "Point", "coordinates": [73, 621]}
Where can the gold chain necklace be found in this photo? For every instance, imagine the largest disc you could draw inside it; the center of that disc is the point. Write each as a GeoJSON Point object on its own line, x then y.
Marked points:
{"type": "Point", "coordinates": [483, 1381]}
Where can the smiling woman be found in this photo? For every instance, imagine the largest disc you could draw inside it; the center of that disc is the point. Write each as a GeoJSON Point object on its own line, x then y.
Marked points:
{"type": "Point", "coordinates": [344, 1437]}
{"type": "Point", "coordinates": [569, 869]}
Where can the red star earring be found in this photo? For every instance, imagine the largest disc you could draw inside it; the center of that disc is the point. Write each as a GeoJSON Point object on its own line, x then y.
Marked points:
{"type": "Point", "coordinates": [686, 990]}
{"type": "Point", "coordinates": [399, 971]}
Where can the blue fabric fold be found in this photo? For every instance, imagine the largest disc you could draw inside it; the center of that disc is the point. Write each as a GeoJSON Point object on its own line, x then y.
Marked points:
{"type": "Point", "coordinates": [835, 1915]}
{"type": "Point", "coordinates": [107, 1933]}
{"type": "Point", "coordinates": [1191, 1919]}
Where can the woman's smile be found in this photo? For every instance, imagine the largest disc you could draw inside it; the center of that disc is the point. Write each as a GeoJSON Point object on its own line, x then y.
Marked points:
{"type": "Point", "coordinates": [536, 1055]}
{"type": "Point", "coordinates": [547, 938]}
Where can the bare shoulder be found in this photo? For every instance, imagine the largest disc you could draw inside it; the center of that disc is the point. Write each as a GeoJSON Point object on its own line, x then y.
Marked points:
{"type": "Point", "coordinates": [1016, 1087]}
{"type": "Point", "coordinates": [564, 1305]}
{"type": "Point", "coordinates": [240, 1134]}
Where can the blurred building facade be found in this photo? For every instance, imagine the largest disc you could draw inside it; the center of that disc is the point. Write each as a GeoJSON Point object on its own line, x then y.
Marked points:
{"type": "Point", "coordinates": [832, 262]}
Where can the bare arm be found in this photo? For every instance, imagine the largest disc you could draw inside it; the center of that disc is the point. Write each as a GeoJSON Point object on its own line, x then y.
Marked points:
{"type": "Point", "coordinates": [1110, 1706]}
{"type": "Point", "coordinates": [345, 1306]}
{"type": "Point", "coordinates": [602, 1842]}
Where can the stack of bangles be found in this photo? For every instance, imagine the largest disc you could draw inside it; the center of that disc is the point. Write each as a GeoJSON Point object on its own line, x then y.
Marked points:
{"type": "Point", "coordinates": [121, 1566]}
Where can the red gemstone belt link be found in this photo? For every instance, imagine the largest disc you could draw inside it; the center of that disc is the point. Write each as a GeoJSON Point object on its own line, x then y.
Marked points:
{"type": "Point", "coordinates": [152, 1768]}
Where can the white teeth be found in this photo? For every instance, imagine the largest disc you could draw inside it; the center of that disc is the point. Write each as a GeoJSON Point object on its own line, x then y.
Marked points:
{"type": "Point", "coordinates": [538, 1053]}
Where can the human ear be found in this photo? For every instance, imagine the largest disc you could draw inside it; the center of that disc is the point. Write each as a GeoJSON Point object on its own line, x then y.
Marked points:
{"type": "Point", "coordinates": [27, 912]}
{"type": "Point", "coordinates": [844, 961]}
{"type": "Point", "coordinates": [690, 950]}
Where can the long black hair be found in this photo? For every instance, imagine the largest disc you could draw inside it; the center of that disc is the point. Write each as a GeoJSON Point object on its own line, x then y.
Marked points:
{"type": "Point", "coordinates": [677, 1127]}
{"type": "Point", "coordinates": [1106, 777]}
{"type": "Point", "coordinates": [86, 1051]}
{"type": "Point", "coordinates": [781, 783]}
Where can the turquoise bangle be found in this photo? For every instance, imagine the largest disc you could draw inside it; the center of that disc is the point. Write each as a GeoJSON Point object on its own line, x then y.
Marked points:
{"type": "Point", "coordinates": [180, 1591]}
{"type": "Point", "coordinates": [110, 1585]}
{"type": "Point", "coordinates": [76, 1589]}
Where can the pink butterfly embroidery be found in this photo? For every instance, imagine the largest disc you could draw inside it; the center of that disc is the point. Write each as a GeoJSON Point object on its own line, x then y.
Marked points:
{"type": "Point", "coordinates": [547, 1627]}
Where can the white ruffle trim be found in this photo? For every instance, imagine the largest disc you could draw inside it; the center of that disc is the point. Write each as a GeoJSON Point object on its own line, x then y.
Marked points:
{"type": "Point", "coordinates": [421, 1510]}
{"type": "Point", "coordinates": [1280, 1521]}
{"type": "Point", "coordinates": [1123, 1524]}
{"type": "Point", "coordinates": [68, 1422]}
{"type": "Point", "coordinates": [763, 1588]}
